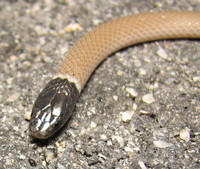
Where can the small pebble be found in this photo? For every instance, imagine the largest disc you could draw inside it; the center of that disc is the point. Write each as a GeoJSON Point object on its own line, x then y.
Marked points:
{"type": "Point", "coordinates": [136, 149]}
{"type": "Point", "coordinates": [82, 132]}
{"type": "Point", "coordinates": [119, 73]}
{"type": "Point", "coordinates": [119, 139]}
{"type": "Point", "coordinates": [144, 112]}
{"type": "Point", "coordinates": [44, 163]}
{"type": "Point", "coordinates": [161, 144]}
{"type": "Point", "coordinates": [142, 71]}
{"type": "Point", "coordinates": [132, 128]}
{"type": "Point", "coordinates": [9, 161]}
{"type": "Point", "coordinates": [93, 110]}
{"type": "Point", "coordinates": [72, 27]}
{"type": "Point", "coordinates": [126, 167]}
{"type": "Point", "coordinates": [142, 165]}
{"type": "Point", "coordinates": [128, 149]}
{"type": "Point", "coordinates": [16, 128]}
{"type": "Point", "coordinates": [153, 86]}
{"type": "Point", "coordinates": [134, 107]}
{"type": "Point", "coordinates": [23, 56]}
{"type": "Point", "coordinates": [137, 63]}
{"type": "Point", "coordinates": [163, 54]}
{"type": "Point", "coordinates": [159, 4]}
{"type": "Point", "coordinates": [27, 115]}
{"type": "Point", "coordinates": [13, 97]}
{"type": "Point", "coordinates": [61, 146]}
{"type": "Point", "coordinates": [93, 124]}
{"type": "Point", "coordinates": [13, 58]}
{"type": "Point", "coordinates": [78, 148]}
{"type": "Point", "coordinates": [148, 98]}
{"type": "Point", "coordinates": [132, 92]}
{"type": "Point", "coordinates": [60, 166]}
{"type": "Point", "coordinates": [185, 134]}
{"type": "Point", "coordinates": [50, 155]}
{"type": "Point", "coordinates": [196, 79]}
{"type": "Point", "coordinates": [102, 156]}
{"type": "Point", "coordinates": [9, 81]}
{"type": "Point", "coordinates": [41, 30]}
{"type": "Point", "coordinates": [147, 59]}
{"type": "Point", "coordinates": [115, 98]}
{"type": "Point", "coordinates": [22, 157]}
{"type": "Point", "coordinates": [126, 116]}
{"type": "Point", "coordinates": [103, 137]}
{"type": "Point", "coordinates": [27, 63]}
{"type": "Point", "coordinates": [109, 143]}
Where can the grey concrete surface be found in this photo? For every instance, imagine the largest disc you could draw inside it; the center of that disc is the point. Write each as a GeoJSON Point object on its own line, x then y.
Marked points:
{"type": "Point", "coordinates": [164, 129]}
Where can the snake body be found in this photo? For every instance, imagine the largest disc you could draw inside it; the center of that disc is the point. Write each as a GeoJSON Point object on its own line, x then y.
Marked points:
{"type": "Point", "coordinates": [56, 102]}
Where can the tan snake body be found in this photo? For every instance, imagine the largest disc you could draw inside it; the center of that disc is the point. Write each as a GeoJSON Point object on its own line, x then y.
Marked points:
{"type": "Point", "coordinates": [56, 102]}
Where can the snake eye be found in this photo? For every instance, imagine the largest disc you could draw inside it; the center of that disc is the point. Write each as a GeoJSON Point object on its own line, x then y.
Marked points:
{"type": "Point", "coordinates": [53, 108]}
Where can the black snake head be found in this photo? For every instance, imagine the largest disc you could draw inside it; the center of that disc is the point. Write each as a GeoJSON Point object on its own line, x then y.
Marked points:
{"type": "Point", "coordinates": [52, 108]}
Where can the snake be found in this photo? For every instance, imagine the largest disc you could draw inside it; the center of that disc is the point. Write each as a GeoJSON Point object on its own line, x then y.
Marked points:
{"type": "Point", "coordinates": [56, 102]}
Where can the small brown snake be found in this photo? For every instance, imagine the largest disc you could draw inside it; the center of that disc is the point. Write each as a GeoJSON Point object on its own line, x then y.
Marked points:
{"type": "Point", "coordinates": [57, 100]}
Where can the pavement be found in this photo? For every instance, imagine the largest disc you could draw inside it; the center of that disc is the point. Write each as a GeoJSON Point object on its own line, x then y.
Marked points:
{"type": "Point", "coordinates": [139, 110]}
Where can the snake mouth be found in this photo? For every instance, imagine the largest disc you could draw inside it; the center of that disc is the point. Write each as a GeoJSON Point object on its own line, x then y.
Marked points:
{"type": "Point", "coordinates": [39, 134]}
{"type": "Point", "coordinates": [41, 130]}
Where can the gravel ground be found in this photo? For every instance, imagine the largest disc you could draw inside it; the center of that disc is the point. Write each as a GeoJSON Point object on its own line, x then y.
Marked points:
{"type": "Point", "coordinates": [140, 108]}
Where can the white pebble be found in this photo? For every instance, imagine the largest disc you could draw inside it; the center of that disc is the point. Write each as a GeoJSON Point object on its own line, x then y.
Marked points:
{"type": "Point", "coordinates": [60, 166]}
{"type": "Point", "coordinates": [27, 115]}
{"type": "Point", "coordinates": [134, 107]}
{"type": "Point", "coordinates": [115, 98]}
{"type": "Point", "coordinates": [79, 148]}
{"type": "Point", "coordinates": [13, 97]}
{"type": "Point", "coordinates": [61, 146]}
{"type": "Point", "coordinates": [93, 110]}
{"type": "Point", "coordinates": [9, 81]}
{"type": "Point", "coordinates": [109, 143]}
{"type": "Point", "coordinates": [72, 27]}
{"type": "Point", "coordinates": [142, 165]}
{"type": "Point", "coordinates": [9, 161]}
{"type": "Point", "coordinates": [185, 134]}
{"type": "Point", "coordinates": [137, 63]}
{"type": "Point", "coordinates": [142, 71]}
{"type": "Point", "coordinates": [13, 58]}
{"type": "Point", "coordinates": [163, 54]}
{"type": "Point", "coordinates": [196, 78]}
{"type": "Point", "coordinates": [82, 132]}
{"type": "Point", "coordinates": [161, 144]}
{"type": "Point", "coordinates": [128, 149]}
{"type": "Point", "coordinates": [27, 63]}
{"type": "Point", "coordinates": [50, 155]}
{"type": "Point", "coordinates": [119, 139]}
{"type": "Point", "coordinates": [103, 137]}
{"type": "Point", "coordinates": [137, 149]}
{"type": "Point", "coordinates": [93, 124]}
{"type": "Point", "coordinates": [40, 30]}
{"type": "Point", "coordinates": [16, 128]}
{"type": "Point", "coordinates": [119, 73]}
{"type": "Point", "coordinates": [126, 116]}
{"type": "Point", "coordinates": [132, 92]}
{"type": "Point", "coordinates": [148, 98]}
{"type": "Point", "coordinates": [22, 157]}
{"type": "Point", "coordinates": [102, 156]}
{"type": "Point", "coordinates": [144, 112]}
{"type": "Point", "coordinates": [44, 163]}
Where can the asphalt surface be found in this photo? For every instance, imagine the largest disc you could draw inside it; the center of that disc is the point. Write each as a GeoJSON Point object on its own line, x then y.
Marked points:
{"type": "Point", "coordinates": [140, 109]}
